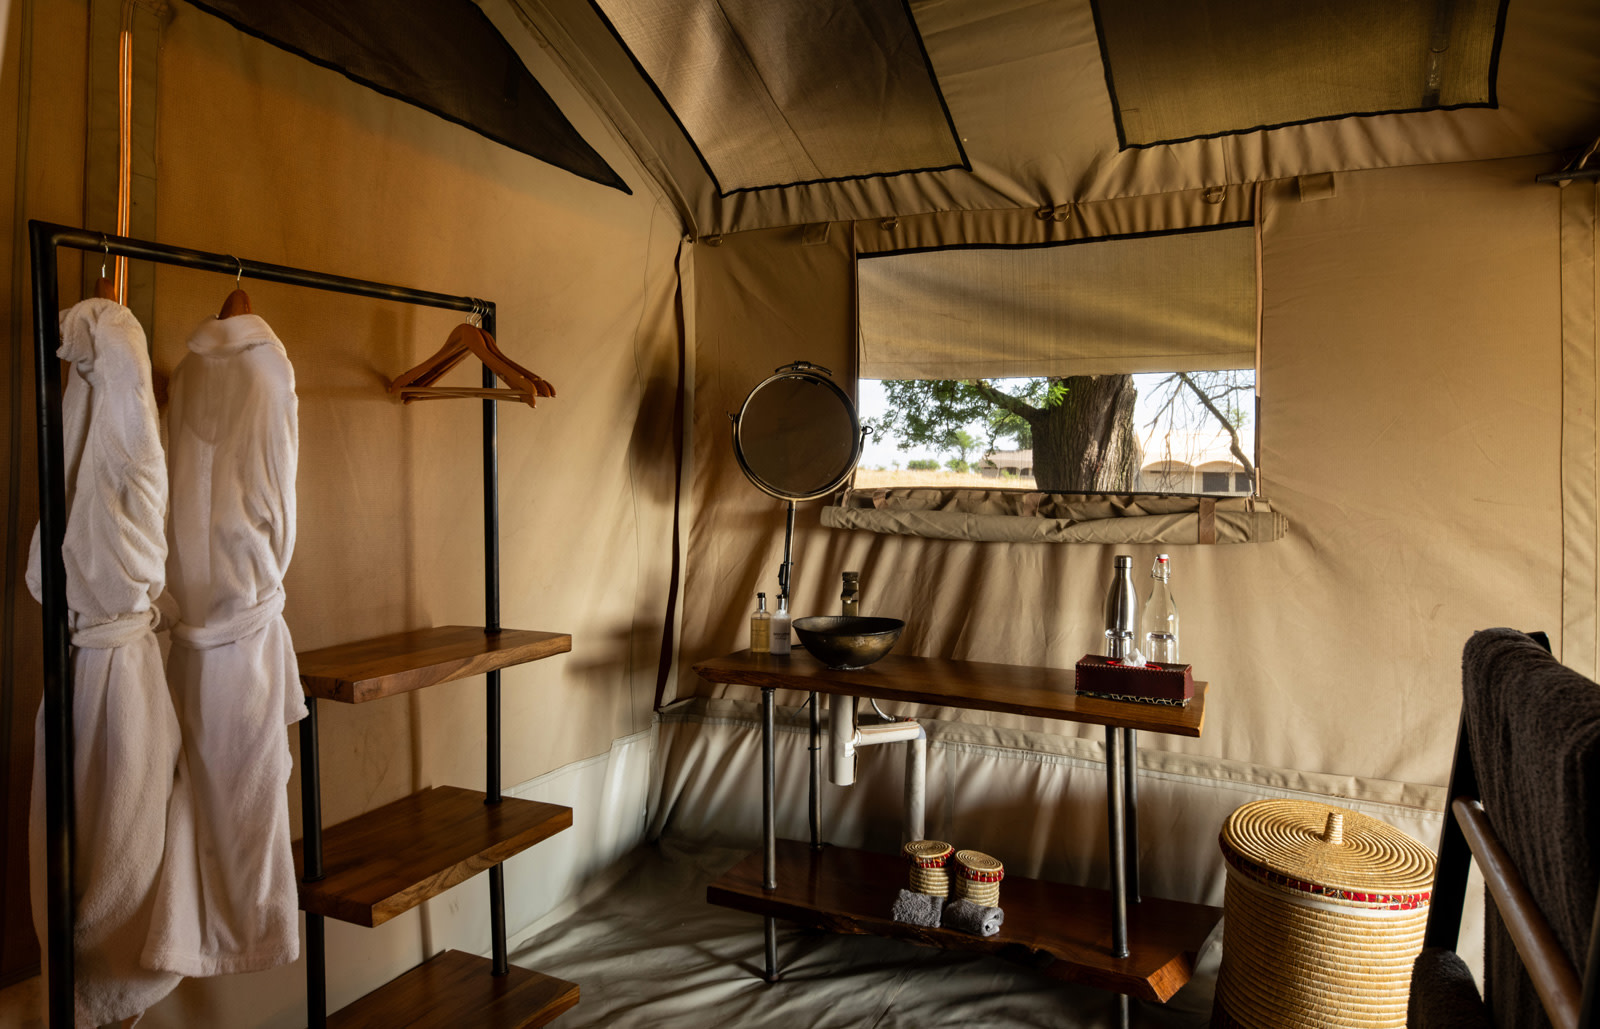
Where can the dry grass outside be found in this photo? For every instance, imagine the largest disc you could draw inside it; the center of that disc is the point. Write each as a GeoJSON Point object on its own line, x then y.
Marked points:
{"type": "Point", "coordinates": [868, 478]}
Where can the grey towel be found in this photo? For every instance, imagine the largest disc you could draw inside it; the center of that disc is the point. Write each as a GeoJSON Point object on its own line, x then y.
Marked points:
{"type": "Point", "coordinates": [1534, 727]}
{"type": "Point", "coordinates": [917, 909]}
{"type": "Point", "coordinates": [972, 917]}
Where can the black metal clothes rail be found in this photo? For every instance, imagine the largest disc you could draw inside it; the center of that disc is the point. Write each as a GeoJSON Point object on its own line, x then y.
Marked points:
{"type": "Point", "coordinates": [45, 239]}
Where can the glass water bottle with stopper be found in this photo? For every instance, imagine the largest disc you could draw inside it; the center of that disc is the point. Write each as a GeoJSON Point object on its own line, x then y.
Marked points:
{"type": "Point", "coordinates": [1158, 622]}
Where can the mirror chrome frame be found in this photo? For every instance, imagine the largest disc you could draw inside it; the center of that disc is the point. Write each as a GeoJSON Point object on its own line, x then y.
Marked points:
{"type": "Point", "coordinates": [822, 376]}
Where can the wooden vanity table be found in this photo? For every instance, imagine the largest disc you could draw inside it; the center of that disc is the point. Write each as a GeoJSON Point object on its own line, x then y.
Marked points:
{"type": "Point", "coordinates": [1110, 939]}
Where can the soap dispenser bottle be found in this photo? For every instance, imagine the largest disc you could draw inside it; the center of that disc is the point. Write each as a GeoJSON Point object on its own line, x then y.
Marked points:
{"type": "Point", "coordinates": [760, 627]}
{"type": "Point", "coordinates": [780, 627]}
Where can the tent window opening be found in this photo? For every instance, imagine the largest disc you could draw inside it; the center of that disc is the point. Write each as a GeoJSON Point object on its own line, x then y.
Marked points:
{"type": "Point", "coordinates": [1189, 69]}
{"type": "Point", "coordinates": [1121, 365]}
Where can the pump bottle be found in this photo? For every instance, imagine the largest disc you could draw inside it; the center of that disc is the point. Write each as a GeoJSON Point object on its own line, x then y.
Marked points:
{"type": "Point", "coordinates": [780, 627]}
{"type": "Point", "coordinates": [760, 627]}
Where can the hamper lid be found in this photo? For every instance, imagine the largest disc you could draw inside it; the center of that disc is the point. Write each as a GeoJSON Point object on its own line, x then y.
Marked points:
{"type": "Point", "coordinates": [928, 853]}
{"type": "Point", "coordinates": [1328, 851]}
{"type": "Point", "coordinates": [978, 866]}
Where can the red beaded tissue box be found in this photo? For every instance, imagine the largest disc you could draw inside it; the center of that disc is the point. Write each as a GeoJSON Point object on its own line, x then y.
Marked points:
{"type": "Point", "coordinates": [1153, 683]}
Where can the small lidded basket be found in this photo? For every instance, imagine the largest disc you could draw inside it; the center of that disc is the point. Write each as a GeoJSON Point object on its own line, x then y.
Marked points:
{"type": "Point", "coordinates": [928, 860]}
{"type": "Point", "coordinates": [978, 878]}
{"type": "Point", "coordinates": [1324, 912]}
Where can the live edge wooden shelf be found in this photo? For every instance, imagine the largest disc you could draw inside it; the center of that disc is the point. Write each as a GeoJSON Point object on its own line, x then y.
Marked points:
{"type": "Point", "coordinates": [391, 859]}
{"type": "Point", "coordinates": [354, 673]}
{"type": "Point", "coordinates": [851, 891]}
{"type": "Point", "coordinates": [977, 685]}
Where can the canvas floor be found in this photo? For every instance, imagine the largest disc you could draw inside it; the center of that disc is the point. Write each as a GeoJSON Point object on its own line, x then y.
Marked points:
{"type": "Point", "coordinates": [648, 950]}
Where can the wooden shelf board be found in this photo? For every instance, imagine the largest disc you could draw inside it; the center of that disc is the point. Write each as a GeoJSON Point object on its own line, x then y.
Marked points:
{"type": "Point", "coordinates": [454, 989]}
{"type": "Point", "coordinates": [389, 860]}
{"type": "Point", "coordinates": [851, 891]}
{"type": "Point", "coordinates": [353, 673]}
{"type": "Point", "coordinates": [940, 682]}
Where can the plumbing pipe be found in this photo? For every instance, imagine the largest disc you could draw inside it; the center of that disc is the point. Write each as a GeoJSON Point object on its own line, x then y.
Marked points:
{"type": "Point", "coordinates": [845, 737]}
{"type": "Point", "coordinates": [841, 739]}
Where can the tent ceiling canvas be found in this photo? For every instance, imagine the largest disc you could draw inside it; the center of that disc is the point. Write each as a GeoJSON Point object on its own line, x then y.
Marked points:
{"type": "Point", "coordinates": [1183, 69]}
{"type": "Point", "coordinates": [444, 56]}
{"type": "Point", "coordinates": [1026, 86]}
{"type": "Point", "coordinates": [775, 92]}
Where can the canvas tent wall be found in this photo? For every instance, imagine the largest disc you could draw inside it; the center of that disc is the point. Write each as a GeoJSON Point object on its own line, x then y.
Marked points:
{"type": "Point", "coordinates": [1428, 375]}
{"type": "Point", "coordinates": [268, 156]}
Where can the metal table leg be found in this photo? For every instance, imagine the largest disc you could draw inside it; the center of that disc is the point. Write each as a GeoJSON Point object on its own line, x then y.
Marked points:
{"type": "Point", "coordinates": [816, 773]}
{"type": "Point", "coordinates": [769, 825]}
{"type": "Point", "coordinates": [1116, 819]}
{"type": "Point", "coordinates": [311, 866]}
{"type": "Point", "coordinates": [1130, 760]}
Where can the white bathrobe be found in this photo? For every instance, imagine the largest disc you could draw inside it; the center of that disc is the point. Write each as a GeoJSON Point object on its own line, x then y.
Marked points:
{"type": "Point", "coordinates": [125, 734]}
{"type": "Point", "coordinates": [228, 900]}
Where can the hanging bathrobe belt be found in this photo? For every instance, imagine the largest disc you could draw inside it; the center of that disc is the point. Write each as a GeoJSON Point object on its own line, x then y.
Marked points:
{"type": "Point", "coordinates": [246, 623]}
{"type": "Point", "coordinates": [119, 632]}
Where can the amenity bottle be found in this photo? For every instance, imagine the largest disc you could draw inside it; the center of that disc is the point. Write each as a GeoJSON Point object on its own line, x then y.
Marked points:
{"type": "Point", "coordinates": [1122, 605]}
{"type": "Point", "coordinates": [780, 627]}
{"type": "Point", "coordinates": [1158, 621]}
{"type": "Point", "coordinates": [760, 627]}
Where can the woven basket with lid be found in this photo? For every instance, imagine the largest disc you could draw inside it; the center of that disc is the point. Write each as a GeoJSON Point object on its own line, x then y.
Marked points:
{"type": "Point", "coordinates": [1324, 914]}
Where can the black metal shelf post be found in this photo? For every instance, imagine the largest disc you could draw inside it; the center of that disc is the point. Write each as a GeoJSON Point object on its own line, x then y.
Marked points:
{"type": "Point", "coordinates": [45, 239]}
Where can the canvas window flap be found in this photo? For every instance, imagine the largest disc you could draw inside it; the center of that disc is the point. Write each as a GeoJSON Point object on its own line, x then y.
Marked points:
{"type": "Point", "coordinates": [1177, 301]}
{"type": "Point", "coordinates": [1181, 69]}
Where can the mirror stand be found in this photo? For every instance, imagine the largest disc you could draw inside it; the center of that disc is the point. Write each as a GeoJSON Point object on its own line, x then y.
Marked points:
{"type": "Point", "coordinates": [787, 568]}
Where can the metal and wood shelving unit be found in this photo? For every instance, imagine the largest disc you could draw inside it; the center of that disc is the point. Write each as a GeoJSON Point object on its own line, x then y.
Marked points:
{"type": "Point", "coordinates": [1112, 939]}
{"type": "Point", "coordinates": [374, 866]}
{"type": "Point", "coordinates": [380, 864]}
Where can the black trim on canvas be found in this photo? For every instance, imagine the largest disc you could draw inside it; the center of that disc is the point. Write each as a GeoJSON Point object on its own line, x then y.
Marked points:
{"type": "Point", "coordinates": [1493, 103]}
{"type": "Point", "coordinates": [955, 137]}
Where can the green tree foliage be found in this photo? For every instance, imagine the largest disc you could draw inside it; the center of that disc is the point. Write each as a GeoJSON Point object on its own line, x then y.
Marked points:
{"type": "Point", "coordinates": [1079, 427]}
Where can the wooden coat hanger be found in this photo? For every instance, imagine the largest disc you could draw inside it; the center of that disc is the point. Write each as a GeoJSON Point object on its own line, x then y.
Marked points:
{"type": "Point", "coordinates": [467, 340]}
{"type": "Point", "coordinates": [238, 301]}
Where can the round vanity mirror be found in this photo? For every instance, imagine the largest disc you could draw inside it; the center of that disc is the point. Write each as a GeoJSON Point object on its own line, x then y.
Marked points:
{"type": "Point", "coordinates": [797, 436]}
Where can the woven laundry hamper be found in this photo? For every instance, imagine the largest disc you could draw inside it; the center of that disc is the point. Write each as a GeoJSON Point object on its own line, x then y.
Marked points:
{"type": "Point", "coordinates": [1323, 916]}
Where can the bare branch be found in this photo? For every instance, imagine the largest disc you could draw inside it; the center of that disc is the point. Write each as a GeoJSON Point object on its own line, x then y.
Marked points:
{"type": "Point", "coordinates": [1222, 419]}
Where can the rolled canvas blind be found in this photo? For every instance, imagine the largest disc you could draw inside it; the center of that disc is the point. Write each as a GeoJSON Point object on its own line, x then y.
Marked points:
{"type": "Point", "coordinates": [1182, 301]}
